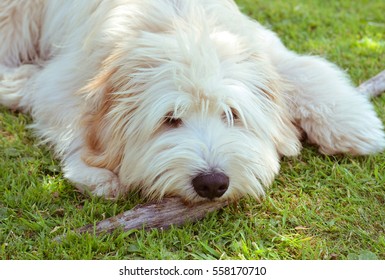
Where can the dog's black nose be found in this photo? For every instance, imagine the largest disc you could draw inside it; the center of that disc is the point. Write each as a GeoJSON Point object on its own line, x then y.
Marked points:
{"type": "Point", "coordinates": [211, 185]}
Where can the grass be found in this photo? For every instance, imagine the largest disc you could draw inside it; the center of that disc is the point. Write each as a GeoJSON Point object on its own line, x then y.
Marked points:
{"type": "Point", "coordinates": [319, 207]}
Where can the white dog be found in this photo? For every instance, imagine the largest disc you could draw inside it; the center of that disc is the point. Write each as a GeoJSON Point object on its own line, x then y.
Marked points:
{"type": "Point", "coordinates": [172, 97]}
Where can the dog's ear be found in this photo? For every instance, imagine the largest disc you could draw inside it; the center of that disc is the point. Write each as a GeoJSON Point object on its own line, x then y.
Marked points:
{"type": "Point", "coordinates": [104, 148]}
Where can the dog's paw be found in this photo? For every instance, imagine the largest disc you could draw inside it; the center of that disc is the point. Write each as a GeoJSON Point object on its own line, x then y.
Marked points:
{"type": "Point", "coordinates": [355, 145]}
{"type": "Point", "coordinates": [97, 181]}
{"type": "Point", "coordinates": [355, 138]}
{"type": "Point", "coordinates": [106, 185]}
{"type": "Point", "coordinates": [13, 82]}
{"type": "Point", "coordinates": [346, 126]}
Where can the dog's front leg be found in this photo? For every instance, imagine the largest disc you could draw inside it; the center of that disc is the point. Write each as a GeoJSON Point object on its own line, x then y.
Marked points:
{"type": "Point", "coordinates": [326, 106]}
{"type": "Point", "coordinates": [98, 181]}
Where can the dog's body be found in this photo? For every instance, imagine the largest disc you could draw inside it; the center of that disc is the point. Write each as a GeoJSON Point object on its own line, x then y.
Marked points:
{"type": "Point", "coordinates": [172, 97]}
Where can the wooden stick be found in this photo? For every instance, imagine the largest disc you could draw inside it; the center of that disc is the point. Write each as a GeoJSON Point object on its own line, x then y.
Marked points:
{"type": "Point", "coordinates": [374, 86]}
{"type": "Point", "coordinates": [163, 214]}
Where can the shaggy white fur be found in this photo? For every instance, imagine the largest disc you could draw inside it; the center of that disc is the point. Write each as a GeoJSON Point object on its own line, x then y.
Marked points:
{"type": "Point", "coordinates": [172, 97]}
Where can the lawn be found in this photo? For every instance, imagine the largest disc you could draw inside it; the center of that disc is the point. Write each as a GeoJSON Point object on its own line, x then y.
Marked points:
{"type": "Point", "coordinates": [319, 207]}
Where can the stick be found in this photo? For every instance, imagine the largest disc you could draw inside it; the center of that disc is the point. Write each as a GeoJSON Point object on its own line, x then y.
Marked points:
{"type": "Point", "coordinates": [374, 86]}
{"type": "Point", "coordinates": [163, 214]}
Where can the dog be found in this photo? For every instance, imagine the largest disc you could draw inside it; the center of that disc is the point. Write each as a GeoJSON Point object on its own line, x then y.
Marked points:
{"type": "Point", "coordinates": [186, 98]}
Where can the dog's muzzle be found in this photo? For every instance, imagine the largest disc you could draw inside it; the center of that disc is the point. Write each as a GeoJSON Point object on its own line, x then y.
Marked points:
{"type": "Point", "coordinates": [211, 185]}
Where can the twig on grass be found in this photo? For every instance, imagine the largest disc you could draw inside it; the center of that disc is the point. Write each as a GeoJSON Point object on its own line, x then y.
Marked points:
{"type": "Point", "coordinates": [163, 214]}
{"type": "Point", "coordinates": [374, 86]}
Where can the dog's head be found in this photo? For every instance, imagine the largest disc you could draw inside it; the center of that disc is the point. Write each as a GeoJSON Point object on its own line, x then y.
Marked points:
{"type": "Point", "coordinates": [195, 112]}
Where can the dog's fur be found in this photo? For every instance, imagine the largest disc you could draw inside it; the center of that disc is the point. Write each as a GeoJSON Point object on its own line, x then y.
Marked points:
{"type": "Point", "coordinates": [151, 94]}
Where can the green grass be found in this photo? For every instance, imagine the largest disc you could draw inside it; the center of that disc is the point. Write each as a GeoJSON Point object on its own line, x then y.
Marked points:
{"type": "Point", "coordinates": [319, 207]}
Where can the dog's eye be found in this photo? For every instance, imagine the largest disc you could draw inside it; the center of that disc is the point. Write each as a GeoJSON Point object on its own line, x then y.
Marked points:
{"type": "Point", "coordinates": [232, 116]}
{"type": "Point", "coordinates": [171, 121]}
{"type": "Point", "coordinates": [235, 114]}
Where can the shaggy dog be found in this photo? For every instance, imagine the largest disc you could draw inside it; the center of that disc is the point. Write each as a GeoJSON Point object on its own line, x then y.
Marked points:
{"type": "Point", "coordinates": [184, 98]}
